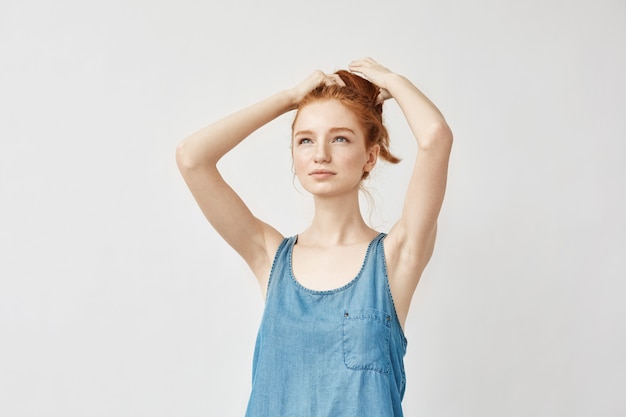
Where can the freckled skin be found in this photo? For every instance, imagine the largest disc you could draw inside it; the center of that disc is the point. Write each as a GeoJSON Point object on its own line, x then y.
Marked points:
{"type": "Point", "coordinates": [329, 140]}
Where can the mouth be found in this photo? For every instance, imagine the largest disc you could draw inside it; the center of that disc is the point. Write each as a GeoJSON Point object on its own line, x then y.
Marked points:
{"type": "Point", "coordinates": [321, 173]}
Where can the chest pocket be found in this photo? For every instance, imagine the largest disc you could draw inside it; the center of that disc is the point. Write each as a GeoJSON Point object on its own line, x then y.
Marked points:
{"type": "Point", "coordinates": [366, 340]}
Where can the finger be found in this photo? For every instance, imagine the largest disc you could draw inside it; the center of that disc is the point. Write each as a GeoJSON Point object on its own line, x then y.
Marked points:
{"type": "Point", "coordinates": [361, 72]}
{"type": "Point", "coordinates": [383, 95]}
{"type": "Point", "coordinates": [364, 61]}
{"type": "Point", "coordinates": [339, 81]}
{"type": "Point", "coordinates": [358, 62]}
{"type": "Point", "coordinates": [360, 69]}
{"type": "Point", "coordinates": [355, 64]}
{"type": "Point", "coordinates": [333, 79]}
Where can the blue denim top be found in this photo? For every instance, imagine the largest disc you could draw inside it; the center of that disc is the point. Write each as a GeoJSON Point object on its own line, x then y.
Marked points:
{"type": "Point", "coordinates": [335, 353]}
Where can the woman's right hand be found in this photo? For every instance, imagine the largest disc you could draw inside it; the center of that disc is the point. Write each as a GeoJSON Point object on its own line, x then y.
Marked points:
{"type": "Point", "coordinates": [313, 81]}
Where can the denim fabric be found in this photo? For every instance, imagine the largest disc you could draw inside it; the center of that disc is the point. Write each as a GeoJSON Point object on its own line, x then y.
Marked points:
{"type": "Point", "coordinates": [336, 353]}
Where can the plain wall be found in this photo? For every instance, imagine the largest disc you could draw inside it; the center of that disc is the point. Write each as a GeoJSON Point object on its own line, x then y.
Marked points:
{"type": "Point", "coordinates": [118, 299]}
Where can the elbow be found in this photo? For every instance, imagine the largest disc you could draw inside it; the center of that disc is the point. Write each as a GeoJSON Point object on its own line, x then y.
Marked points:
{"type": "Point", "coordinates": [187, 158]}
{"type": "Point", "coordinates": [183, 157]}
{"type": "Point", "coordinates": [438, 137]}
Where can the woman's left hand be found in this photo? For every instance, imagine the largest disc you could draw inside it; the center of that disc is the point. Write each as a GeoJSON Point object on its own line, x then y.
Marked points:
{"type": "Point", "coordinates": [374, 72]}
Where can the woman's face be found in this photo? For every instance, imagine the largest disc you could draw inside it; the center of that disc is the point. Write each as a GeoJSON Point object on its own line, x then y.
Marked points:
{"type": "Point", "coordinates": [329, 150]}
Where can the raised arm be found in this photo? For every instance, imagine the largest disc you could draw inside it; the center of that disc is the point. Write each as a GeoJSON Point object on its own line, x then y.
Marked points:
{"type": "Point", "coordinates": [197, 158]}
{"type": "Point", "coordinates": [409, 244]}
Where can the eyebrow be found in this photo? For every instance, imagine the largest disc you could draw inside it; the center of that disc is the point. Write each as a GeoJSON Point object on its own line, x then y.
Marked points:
{"type": "Point", "coordinates": [332, 130]}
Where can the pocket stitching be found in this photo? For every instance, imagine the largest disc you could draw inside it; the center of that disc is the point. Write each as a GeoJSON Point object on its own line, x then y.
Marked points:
{"type": "Point", "coordinates": [351, 355]}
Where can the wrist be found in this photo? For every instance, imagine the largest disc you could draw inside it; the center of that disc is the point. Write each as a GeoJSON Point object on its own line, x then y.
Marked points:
{"type": "Point", "coordinates": [291, 97]}
{"type": "Point", "coordinates": [391, 80]}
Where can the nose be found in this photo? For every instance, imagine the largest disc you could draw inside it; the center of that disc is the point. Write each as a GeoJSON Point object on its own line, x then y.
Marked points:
{"type": "Point", "coordinates": [321, 153]}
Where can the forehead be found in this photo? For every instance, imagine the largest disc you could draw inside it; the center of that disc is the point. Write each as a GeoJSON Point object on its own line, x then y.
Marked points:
{"type": "Point", "coordinates": [325, 114]}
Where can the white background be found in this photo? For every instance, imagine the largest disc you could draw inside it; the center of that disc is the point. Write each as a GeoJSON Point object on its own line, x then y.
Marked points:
{"type": "Point", "coordinates": [118, 299]}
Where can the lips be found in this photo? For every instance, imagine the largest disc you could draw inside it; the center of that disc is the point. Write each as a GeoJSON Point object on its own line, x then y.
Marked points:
{"type": "Point", "coordinates": [321, 173]}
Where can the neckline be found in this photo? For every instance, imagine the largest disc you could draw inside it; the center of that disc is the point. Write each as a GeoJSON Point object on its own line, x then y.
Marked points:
{"type": "Point", "coordinates": [332, 290]}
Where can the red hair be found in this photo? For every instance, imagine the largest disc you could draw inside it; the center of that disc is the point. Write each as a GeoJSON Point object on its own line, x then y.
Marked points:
{"type": "Point", "coordinates": [360, 96]}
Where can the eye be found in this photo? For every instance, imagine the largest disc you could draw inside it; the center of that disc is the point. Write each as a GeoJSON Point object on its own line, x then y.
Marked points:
{"type": "Point", "coordinates": [304, 141]}
{"type": "Point", "coordinates": [340, 139]}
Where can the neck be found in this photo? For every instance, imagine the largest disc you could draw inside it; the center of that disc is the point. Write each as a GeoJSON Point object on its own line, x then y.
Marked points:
{"type": "Point", "coordinates": [337, 221]}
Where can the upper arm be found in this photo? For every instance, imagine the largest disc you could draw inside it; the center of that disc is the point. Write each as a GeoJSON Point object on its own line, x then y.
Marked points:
{"type": "Point", "coordinates": [253, 239]}
{"type": "Point", "coordinates": [426, 189]}
{"type": "Point", "coordinates": [410, 243]}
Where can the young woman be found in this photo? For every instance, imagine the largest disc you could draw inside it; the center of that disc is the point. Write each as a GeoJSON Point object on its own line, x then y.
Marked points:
{"type": "Point", "coordinates": [336, 295]}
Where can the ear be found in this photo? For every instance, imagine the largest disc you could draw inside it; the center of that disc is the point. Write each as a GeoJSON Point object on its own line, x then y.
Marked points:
{"type": "Point", "coordinates": [372, 158]}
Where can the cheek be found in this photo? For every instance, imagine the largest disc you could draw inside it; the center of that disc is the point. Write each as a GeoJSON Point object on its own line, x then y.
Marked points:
{"type": "Point", "coordinates": [298, 161]}
{"type": "Point", "coordinates": [354, 159]}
